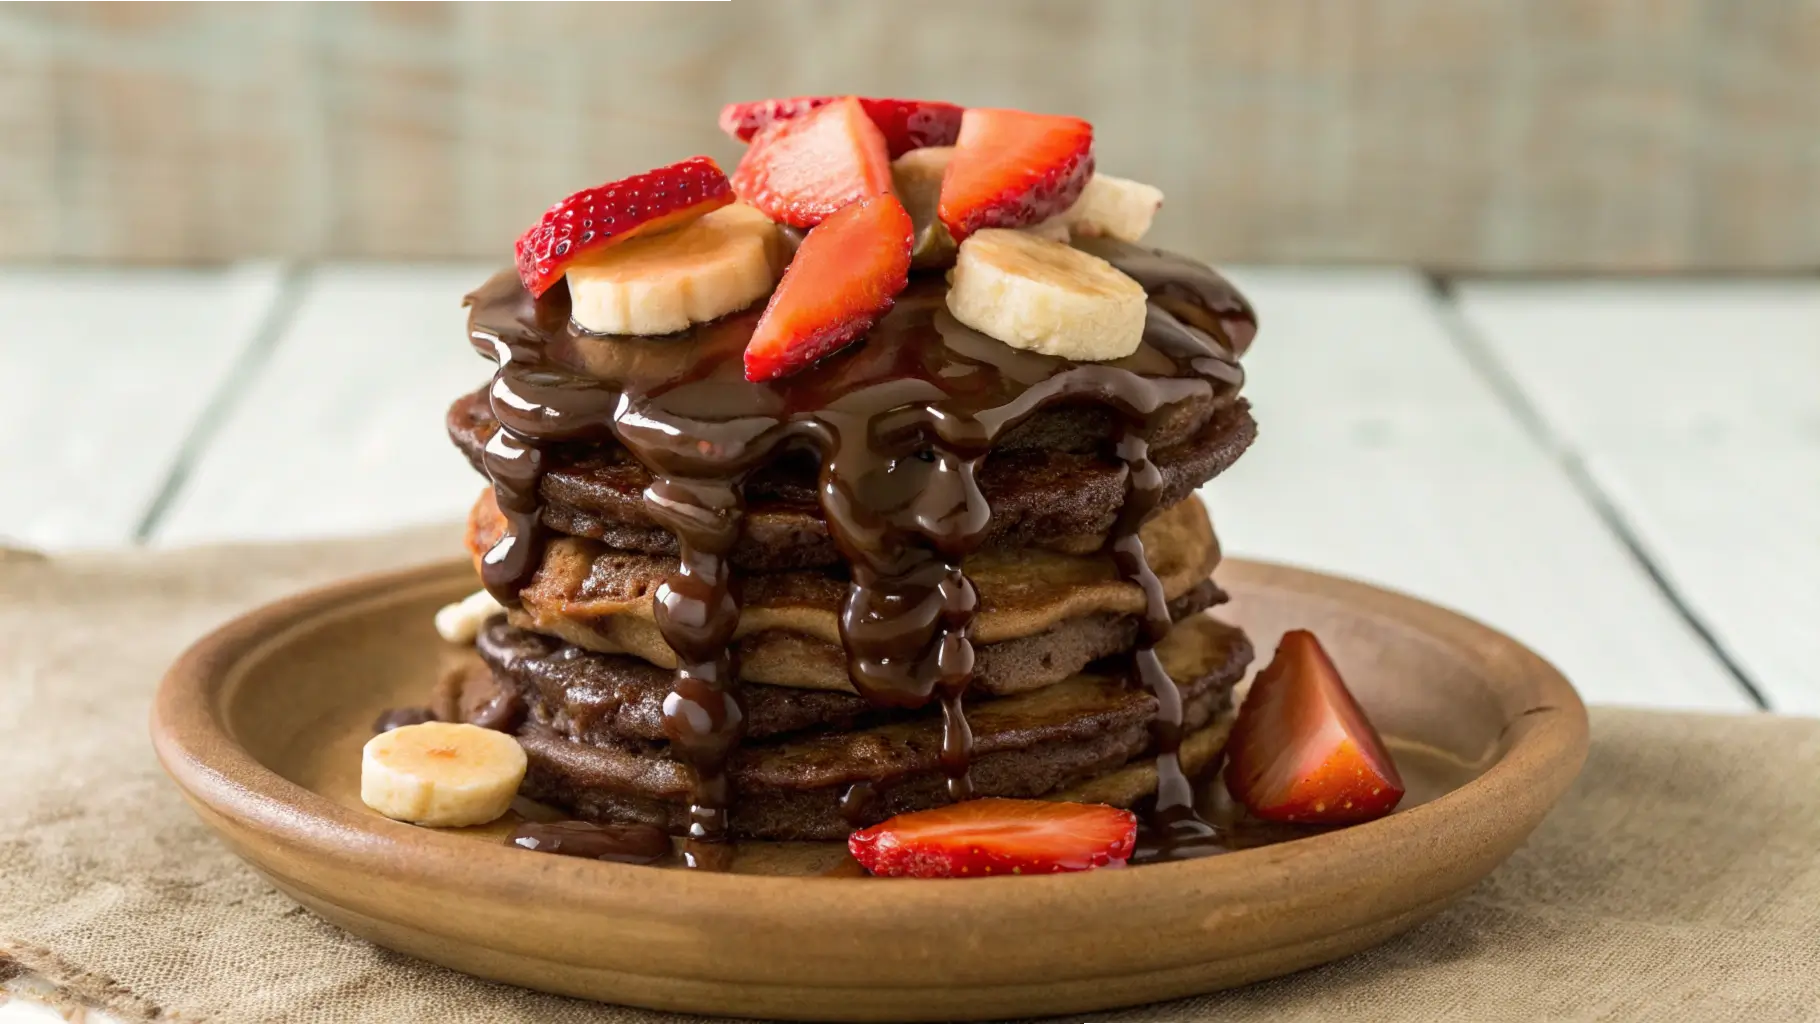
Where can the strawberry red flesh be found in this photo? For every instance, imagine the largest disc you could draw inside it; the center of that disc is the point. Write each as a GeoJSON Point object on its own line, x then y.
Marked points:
{"type": "Point", "coordinates": [845, 275]}
{"type": "Point", "coordinates": [800, 171]}
{"type": "Point", "coordinates": [1012, 169]}
{"type": "Point", "coordinates": [906, 124]}
{"type": "Point", "coordinates": [997, 837]}
{"type": "Point", "coordinates": [1302, 749]}
{"type": "Point", "coordinates": [615, 212]}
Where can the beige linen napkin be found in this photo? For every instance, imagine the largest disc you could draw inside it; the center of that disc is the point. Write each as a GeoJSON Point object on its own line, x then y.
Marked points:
{"type": "Point", "coordinates": [1680, 879]}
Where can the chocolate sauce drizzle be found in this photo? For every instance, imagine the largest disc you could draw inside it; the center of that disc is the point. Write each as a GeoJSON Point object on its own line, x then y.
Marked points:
{"type": "Point", "coordinates": [900, 423]}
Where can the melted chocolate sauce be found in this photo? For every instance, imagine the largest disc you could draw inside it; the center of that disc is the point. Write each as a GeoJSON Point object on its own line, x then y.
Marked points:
{"type": "Point", "coordinates": [901, 424]}
{"type": "Point", "coordinates": [626, 844]}
{"type": "Point", "coordinates": [398, 718]}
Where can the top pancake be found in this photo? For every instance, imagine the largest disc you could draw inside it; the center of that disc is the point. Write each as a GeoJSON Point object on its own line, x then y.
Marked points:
{"type": "Point", "coordinates": [1059, 488]}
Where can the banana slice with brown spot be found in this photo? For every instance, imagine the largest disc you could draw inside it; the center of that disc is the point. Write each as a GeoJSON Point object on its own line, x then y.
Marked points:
{"type": "Point", "coordinates": [441, 774]}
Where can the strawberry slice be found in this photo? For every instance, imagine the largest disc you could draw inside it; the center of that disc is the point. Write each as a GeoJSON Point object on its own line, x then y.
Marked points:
{"type": "Point", "coordinates": [612, 213]}
{"type": "Point", "coordinates": [906, 124]}
{"type": "Point", "coordinates": [1012, 169]}
{"type": "Point", "coordinates": [997, 837]}
{"type": "Point", "coordinates": [845, 275]}
{"type": "Point", "coordinates": [1302, 749]}
{"type": "Point", "coordinates": [800, 171]}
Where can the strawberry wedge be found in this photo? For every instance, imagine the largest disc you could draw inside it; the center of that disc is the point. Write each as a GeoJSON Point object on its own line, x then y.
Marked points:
{"type": "Point", "coordinates": [1302, 749]}
{"type": "Point", "coordinates": [906, 124]}
{"type": "Point", "coordinates": [1012, 169]}
{"type": "Point", "coordinates": [845, 275]}
{"type": "Point", "coordinates": [800, 171]}
{"type": "Point", "coordinates": [997, 837]}
{"type": "Point", "coordinates": [620, 210]}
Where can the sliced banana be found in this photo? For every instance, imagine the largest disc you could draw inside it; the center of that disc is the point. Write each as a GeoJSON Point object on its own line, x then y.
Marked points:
{"type": "Point", "coordinates": [1037, 294]}
{"type": "Point", "coordinates": [717, 264]}
{"type": "Point", "coordinates": [1113, 207]}
{"type": "Point", "coordinates": [441, 774]}
{"type": "Point", "coordinates": [916, 177]}
{"type": "Point", "coordinates": [460, 623]}
{"type": "Point", "coordinates": [1055, 229]}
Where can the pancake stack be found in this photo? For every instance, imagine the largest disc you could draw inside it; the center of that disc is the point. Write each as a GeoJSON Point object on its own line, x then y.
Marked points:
{"type": "Point", "coordinates": [929, 567]}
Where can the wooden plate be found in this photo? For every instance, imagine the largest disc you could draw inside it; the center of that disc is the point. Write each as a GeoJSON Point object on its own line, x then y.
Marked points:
{"type": "Point", "coordinates": [261, 725]}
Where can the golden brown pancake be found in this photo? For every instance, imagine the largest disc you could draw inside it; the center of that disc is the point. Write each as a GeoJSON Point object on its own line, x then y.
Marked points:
{"type": "Point", "coordinates": [789, 633]}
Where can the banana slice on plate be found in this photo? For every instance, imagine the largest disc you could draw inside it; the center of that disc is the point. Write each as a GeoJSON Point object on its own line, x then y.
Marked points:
{"type": "Point", "coordinates": [1114, 208]}
{"type": "Point", "coordinates": [1034, 293]}
{"type": "Point", "coordinates": [717, 264]}
{"type": "Point", "coordinates": [441, 774]}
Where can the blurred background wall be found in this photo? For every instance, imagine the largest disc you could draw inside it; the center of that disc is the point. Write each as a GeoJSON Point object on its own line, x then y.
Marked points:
{"type": "Point", "coordinates": [1494, 135]}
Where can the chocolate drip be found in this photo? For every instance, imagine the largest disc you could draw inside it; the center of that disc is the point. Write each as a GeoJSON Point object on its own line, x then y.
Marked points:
{"type": "Point", "coordinates": [627, 844]}
{"type": "Point", "coordinates": [901, 424]}
{"type": "Point", "coordinates": [398, 718]}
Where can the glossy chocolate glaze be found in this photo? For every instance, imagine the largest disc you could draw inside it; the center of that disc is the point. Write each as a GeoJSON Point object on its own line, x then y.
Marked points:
{"type": "Point", "coordinates": [626, 844]}
{"type": "Point", "coordinates": [900, 424]}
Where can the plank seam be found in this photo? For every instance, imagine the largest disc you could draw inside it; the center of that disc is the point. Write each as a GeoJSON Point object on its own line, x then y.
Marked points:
{"type": "Point", "coordinates": [1503, 384]}
{"type": "Point", "coordinates": [287, 299]}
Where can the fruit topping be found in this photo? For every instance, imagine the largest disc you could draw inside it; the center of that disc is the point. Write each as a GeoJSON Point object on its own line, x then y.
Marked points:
{"type": "Point", "coordinates": [719, 264]}
{"type": "Point", "coordinates": [617, 212]}
{"type": "Point", "coordinates": [906, 124]}
{"type": "Point", "coordinates": [917, 177]}
{"type": "Point", "coordinates": [441, 774]}
{"type": "Point", "coordinates": [1302, 749]}
{"type": "Point", "coordinates": [845, 276]}
{"type": "Point", "coordinates": [1114, 208]}
{"type": "Point", "coordinates": [997, 837]}
{"type": "Point", "coordinates": [799, 171]}
{"type": "Point", "coordinates": [1043, 295]}
{"type": "Point", "coordinates": [1012, 169]}
{"type": "Point", "coordinates": [460, 623]}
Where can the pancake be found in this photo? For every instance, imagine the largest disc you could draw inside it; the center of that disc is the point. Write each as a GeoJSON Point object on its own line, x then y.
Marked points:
{"type": "Point", "coordinates": [789, 633]}
{"type": "Point", "coordinates": [1087, 734]}
{"type": "Point", "coordinates": [1062, 497]}
{"type": "Point", "coordinates": [601, 698]}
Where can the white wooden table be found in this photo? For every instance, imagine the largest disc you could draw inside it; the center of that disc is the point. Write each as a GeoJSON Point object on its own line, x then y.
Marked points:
{"type": "Point", "coordinates": [1625, 475]}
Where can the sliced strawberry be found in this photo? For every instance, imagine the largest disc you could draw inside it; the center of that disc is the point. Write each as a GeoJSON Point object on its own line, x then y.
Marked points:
{"type": "Point", "coordinates": [906, 124]}
{"type": "Point", "coordinates": [743, 120]}
{"type": "Point", "coordinates": [844, 277]}
{"type": "Point", "coordinates": [801, 170]}
{"type": "Point", "coordinates": [1302, 749]}
{"type": "Point", "coordinates": [1012, 169]}
{"type": "Point", "coordinates": [612, 213]}
{"type": "Point", "coordinates": [997, 837]}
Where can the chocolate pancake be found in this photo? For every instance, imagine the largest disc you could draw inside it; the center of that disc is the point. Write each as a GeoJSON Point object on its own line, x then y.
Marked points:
{"type": "Point", "coordinates": [1090, 733]}
{"type": "Point", "coordinates": [600, 698]}
{"type": "Point", "coordinates": [1061, 498]}
{"type": "Point", "coordinates": [789, 633]}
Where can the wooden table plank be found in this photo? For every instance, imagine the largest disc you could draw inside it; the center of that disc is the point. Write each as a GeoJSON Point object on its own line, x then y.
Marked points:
{"type": "Point", "coordinates": [342, 431]}
{"type": "Point", "coordinates": [107, 372]}
{"type": "Point", "coordinates": [1382, 454]}
{"type": "Point", "coordinates": [1695, 407]}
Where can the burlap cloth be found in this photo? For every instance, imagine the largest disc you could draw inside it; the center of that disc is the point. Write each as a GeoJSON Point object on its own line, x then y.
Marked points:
{"type": "Point", "coordinates": [1679, 880]}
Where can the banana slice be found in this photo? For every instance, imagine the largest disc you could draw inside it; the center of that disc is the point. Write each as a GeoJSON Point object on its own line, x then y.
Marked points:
{"type": "Point", "coordinates": [1055, 229]}
{"type": "Point", "coordinates": [460, 623]}
{"type": "Point", "coordinates": [717, 264]}
{"type": "Point", "coordinates": [1037, 294]}
{"type": "Point", "coordinates": [916, 177]}
{"type": "Point", "coordinates": [1113, 207]}
{"type": "Point", "coordinates": [441, 774]}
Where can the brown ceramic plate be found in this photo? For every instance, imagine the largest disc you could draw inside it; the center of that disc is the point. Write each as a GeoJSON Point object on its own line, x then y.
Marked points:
{"type": "Point", "coordinates": [261, 725]}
